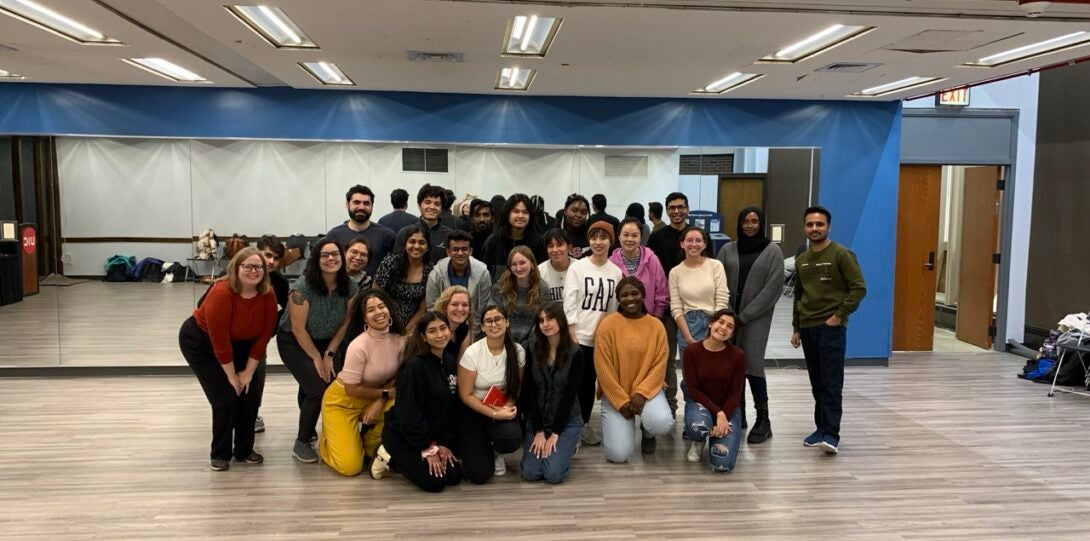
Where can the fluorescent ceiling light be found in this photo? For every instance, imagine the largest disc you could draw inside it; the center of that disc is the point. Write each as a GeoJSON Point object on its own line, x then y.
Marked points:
{"type": "Point", "coordinates": [166, 69]}
{"type": "Point", "coordinates": [896, 86]}
{"type": "Point", "coordinates": [1054, 45]}
{"type": "Point", "coordinates": [515, 78]}
{"type": "Point", "coordinates": [327, 73]}
{"type": "Point", "coordinates": [817, 43]}
{"type": "Point", "coordinates": [47, 19]}
{"type": "Point", "coordinates": [9, 75]}
{"type": "Point", "coordinates": [728, 83]}
{"type": "Point", "coordinates": [529, 35]}
{"type": "Point", "coordinates": [272, 24]}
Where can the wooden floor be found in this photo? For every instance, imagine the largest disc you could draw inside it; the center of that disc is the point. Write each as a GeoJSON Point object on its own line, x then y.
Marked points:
{"type": "Point", "coordinates": [934, 447]}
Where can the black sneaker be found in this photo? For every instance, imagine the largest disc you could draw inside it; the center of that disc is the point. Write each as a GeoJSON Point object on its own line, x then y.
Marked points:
{"type": "Point", "coordinates": [252, 458]}
{"type": "Point", "coordinates": [648, 445]}
{"type": "Point", "coordinates": [220, 465]}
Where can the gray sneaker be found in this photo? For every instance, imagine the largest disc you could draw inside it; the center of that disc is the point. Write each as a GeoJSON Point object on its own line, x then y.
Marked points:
{"type": "Point", "coordinates": [589, 436]}
{"type": "Point", "coordinates": [259, 425]}
{"type": "Point", "coordinates": [220, 465]}
{"type": "Point", "coordinates": [304, 453]}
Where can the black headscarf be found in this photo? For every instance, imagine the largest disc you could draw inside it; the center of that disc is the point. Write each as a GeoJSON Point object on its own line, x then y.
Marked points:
{"type": "Point", "coordinates": [756, 243]}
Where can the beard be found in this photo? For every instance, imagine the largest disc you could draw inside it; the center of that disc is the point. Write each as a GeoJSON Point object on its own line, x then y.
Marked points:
{"type": "Point", "coordinates": [361, 216]}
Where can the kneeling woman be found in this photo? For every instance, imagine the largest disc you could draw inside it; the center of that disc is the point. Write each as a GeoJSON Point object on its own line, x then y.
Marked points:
{"type": "Point", "coordinates": [364, 389]}
{"type": "Point", "coordinates": [630, 358]}
{"type": "Point", "coordinates": [490, 371]}
{"type": "Point", "coordinates": [224, 343]}
{"type": "Point", "coordinates": [715, 372]}
{"type": "Point", "coordinates": [554, 366]}
{"type": "Point", "coordinates": [420, 428]}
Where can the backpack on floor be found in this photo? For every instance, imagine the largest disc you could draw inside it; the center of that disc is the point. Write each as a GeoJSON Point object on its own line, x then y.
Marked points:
{"type": "Point", "coordinates": [148, 269]}
{"type": "Point", "coordinates": [119, 267]}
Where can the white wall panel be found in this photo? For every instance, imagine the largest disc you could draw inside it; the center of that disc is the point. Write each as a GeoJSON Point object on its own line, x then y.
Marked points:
{"type": "Point", "coordinates": [348, 164]}
{"type": "Point", "coordinates": [487, 171]}
{"type": "Point", "coordinates": [662, 178]}
{"type": "Point", "coordinates": [82, 259]}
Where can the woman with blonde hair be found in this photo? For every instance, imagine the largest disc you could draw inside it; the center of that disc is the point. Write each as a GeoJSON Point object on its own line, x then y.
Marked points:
{"type": "Point", "coordinates": [454, 302]}
{"type": "Point", "coordinates": [224, 343]}
{"type": "Point", "coordinates": [520, 291]}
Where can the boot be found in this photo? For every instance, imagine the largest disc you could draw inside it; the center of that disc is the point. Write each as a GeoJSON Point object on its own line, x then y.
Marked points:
{"type": "Point", "coordinates": [762, 427]}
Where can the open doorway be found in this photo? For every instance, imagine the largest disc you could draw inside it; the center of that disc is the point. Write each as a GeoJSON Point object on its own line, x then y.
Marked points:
{"type": "Point", "coordinates": [948, 231]}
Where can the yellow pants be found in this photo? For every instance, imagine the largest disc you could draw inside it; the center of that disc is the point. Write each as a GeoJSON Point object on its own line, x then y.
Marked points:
{"type": "Point", "coordinates": [340, 445]}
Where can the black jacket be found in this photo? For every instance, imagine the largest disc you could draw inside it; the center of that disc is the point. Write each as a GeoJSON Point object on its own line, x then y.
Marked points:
{"type": "Point", "coordinates": [548, 393]}
{"type": "Point", "coordinates": [427, 408]}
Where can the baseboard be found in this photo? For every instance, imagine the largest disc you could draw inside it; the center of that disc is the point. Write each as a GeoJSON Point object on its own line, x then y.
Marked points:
{"type": "Point", "coordinates": [107, 371]}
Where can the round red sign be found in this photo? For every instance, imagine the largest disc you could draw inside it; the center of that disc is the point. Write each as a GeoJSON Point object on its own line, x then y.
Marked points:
{"type": "Point", "coordinates": [30, 240]}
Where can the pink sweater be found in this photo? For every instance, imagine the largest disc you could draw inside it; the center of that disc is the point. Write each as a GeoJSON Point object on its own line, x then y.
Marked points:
{"type": "Point", "coordinates": [650, 272]}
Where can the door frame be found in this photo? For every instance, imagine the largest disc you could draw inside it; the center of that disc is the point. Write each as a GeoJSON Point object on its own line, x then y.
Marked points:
{"type": "Point", "coordinates": [1007, 168]}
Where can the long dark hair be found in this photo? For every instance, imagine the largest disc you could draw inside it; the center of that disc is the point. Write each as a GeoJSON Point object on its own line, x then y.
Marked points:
{"type": "Point", "coordinates": [552, 310]}
{"type": "Point", "coordinates": [401, 261]}
{"type": "Point", "coordinates": [313, 271]}
{"type": "Point", "coordinates": [635, 210]}
{"type": "Point", "coordinates": [503, 227]}
{"type": "Point", "coordinates": [417, 345]}
{"type": "Point", "coordinates": [511, 373]}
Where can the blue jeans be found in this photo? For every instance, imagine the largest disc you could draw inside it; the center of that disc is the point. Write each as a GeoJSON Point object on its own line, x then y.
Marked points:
{"type": "Point", "coordinates": [697, 322]}
{"type": "Point", "coordinates": [823, 347]}
{"type": "Point", "coordinates": [722, 452]}
{"type": "Point", "coordinates": [618, 433]}
{"type": "Point", "coordinates": [555, 467]}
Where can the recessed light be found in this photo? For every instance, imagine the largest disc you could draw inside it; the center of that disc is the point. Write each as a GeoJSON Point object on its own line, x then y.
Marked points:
{"type": "Point", "coordinates": [1033, 50]}
{"type": "Point", "coordinates": [273, 25]}
{"type": "Point", "coordinates": [832, 36]}
{"type": "Point", "coordinates": [515, 78]}
{"type": "Point", "coordinates": [529, 35]}
{"type": "Point", "coordinates": [728, 83]}
{"type": "Point", "coordinates": [327, 73]}
{"type": "Point", "coordinates": [49, 20]}
{"type": "Point", "coordinates": [166, 69]}
{"type": "Point", "coordinates": [896, 86]}
{"type": "Point", "coordinates": [9, 75]}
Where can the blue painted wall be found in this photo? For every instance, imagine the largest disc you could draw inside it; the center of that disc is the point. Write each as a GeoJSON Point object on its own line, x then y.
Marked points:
{"type": "Point", "coordinates": [859, 141]}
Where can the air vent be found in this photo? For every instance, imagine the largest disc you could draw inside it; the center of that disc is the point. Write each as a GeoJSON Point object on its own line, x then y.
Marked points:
{"type": "Point", "coordinates": [626, 166]}
{"type": "Point", "coordinates": [706, 164]}
{"type": "Point", "coordinates": [424, 56]}
{"type": "Point", "coordinates": [847, 67]}
{"type": "Point", "coordinates": [424, 160]}
{"type": "Point", "coordinates": [7, 48]}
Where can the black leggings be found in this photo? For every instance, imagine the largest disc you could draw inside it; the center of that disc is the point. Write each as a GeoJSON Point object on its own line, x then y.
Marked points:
{"type": "Point", "coordinates": [405, 459]}
{"type": "Point", "coordinates": [587, 385]}
{"type": "Point", "coordinates": [232, 414]}
{"type": "Point", "coordinates": [311, 385]}
{"type": "Point", "coordinates": [479, 437]}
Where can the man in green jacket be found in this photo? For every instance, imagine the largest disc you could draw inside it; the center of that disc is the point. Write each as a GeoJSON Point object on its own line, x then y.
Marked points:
{"type": "Point", "coordinates": [828, 288]}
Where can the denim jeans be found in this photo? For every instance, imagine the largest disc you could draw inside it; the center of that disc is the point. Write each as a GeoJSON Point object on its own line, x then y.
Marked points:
{"type": "Point", "coordinates": [697, 322]}
{"type": "Point", "coordinates": [618, 433]}
{"type": "Point", "coordinates": [555, 467]}
{"type": "Point", "coordinates": [823, 347]}
{"type": "Point", "coordinates": [721, 453]}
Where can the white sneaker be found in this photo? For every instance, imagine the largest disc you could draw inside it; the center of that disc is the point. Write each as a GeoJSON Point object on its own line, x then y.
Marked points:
{"type": "Point", "coordinates": [500, 467]}
{"type": "Point", "coordinates": [696, 451]}
{"type": "Point", "coordinates": [380, 466]}
{"type": "Point", "coordinates": [589, 436]}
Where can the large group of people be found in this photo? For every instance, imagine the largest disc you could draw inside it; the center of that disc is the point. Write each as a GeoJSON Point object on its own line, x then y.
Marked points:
{"type": "Point", "coordinates": [439, 349]}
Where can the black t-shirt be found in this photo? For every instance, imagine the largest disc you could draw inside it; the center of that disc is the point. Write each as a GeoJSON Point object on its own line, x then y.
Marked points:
{"type": "Point", "coordinates": [666, 243]}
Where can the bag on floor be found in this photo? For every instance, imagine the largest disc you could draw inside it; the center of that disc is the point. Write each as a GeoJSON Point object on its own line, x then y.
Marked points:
{"type": "Point", "coordinates": [148, 269]}
{"type": "Point", "coordinates": [119, 267]}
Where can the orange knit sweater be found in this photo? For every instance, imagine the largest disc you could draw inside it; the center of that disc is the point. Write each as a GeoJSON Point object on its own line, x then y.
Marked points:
{"type": "Point", "coordinates": [630, 358]}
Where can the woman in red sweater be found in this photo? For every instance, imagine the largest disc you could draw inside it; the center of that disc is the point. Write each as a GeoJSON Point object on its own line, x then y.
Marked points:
{"type": "Point", "coordinates": [715, 372]}
{"type": "Point", "coordinates": [224, 343]}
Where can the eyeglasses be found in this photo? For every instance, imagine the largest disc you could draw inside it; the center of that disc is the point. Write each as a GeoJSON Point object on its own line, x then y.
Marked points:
{"type": "Point", "coordinates": [253, 268]}
{"type": "Point", "coordinates": [493, 321]}
{"type": "Point", "coordinates": [357, 253]}
{"type": "Point", "coordinates": [329, 255]}
{"type": "Point", "coordinates": [676, 208]}
{"type": "Point", "coordinates": [459, 249]}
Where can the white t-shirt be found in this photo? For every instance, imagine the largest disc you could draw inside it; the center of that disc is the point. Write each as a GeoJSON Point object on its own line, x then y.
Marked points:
{"type": "Point", "coordinates": [491, 369]}
{"type": "Point", "coordinates": [553, 279]}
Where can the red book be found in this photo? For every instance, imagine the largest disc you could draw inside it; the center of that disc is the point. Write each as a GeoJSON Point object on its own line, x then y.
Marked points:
{"type": "Point", "coordinates": [495, 397]}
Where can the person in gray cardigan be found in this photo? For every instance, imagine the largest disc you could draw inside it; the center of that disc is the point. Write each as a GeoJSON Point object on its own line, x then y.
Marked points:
{"type": "Point", "coordinates": [460, 268]}
{"type": "Point", "coordinates": [754, 269]}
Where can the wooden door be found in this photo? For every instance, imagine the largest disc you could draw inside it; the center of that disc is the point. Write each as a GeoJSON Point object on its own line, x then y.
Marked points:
{"type": "Point", "coordinates": [917, 241]}
{"type": "Point", "coordinates": [979, 242]}
{"type": "Point", "coordinates": [735, 194]}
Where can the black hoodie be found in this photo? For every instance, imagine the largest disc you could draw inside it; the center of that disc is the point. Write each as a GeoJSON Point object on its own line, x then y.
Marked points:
{"type": "Point", "coordinates": [427, 408]}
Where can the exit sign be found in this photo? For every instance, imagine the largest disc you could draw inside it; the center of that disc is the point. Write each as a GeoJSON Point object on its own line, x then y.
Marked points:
{"type": "Point", "coordinates": [958, 97]}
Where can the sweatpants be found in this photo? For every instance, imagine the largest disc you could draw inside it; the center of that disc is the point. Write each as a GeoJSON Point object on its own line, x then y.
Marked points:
{"type": "Point", "coordinates": [405, 459]}
{"type": "Point", "coordinates": [340, 444]}
{"type": "Point", "coordinates": [310, 383]}
{"type": "Point", "coordinates": [480, 438]}
{"type": "Point", "coordinates": [233, 415]}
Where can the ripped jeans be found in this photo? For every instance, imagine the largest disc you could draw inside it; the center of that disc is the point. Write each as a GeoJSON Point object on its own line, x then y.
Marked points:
{"type": "Point", "coordinates": [721, 453]}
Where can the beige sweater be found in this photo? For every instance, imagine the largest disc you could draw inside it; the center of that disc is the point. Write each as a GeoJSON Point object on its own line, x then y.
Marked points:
{"type": "Point", "coordinates": [703, 288]}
